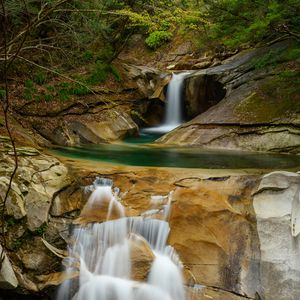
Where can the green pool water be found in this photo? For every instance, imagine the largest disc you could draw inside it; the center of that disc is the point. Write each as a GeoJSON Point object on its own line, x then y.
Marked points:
{"type": "Point", "coordinates": [136, 154]}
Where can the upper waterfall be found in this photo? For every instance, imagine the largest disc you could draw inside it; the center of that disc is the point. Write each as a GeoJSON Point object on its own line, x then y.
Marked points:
{"type": "Point", "coordinates": [173, 112]}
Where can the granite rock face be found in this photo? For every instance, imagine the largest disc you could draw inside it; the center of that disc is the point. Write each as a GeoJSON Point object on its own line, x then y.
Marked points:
{"type": "Point", "coordinates": [276, 205]}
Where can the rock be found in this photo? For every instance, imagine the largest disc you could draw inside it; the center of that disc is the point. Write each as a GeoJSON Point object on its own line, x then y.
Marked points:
{"type": "Point", "coordinates": [159, 89]}
{"type": "Point", "coordinates": [231, 107]}
{"type": "Point", "coordinates": [15, 233]}
{"type": "Point", "coordinates": [36, 257]}
{"type": "Point", "coordinates": [209, 235]}
{"type": "Point", "coordinates": [143, 77]}
{"type": "Point", "coordinates": [102, 128]}
{"type": "Point", "coordinates": [212, 223]}
{"type": "Point", "coordinates": [69, 200]}
{"type": "Point", "coordinates": [38, 199]}
{"type": "Point", "coordinates": [26, 282]}
{"type": "Point", "coordinates": [201, 93]}
{"type": "Point", "coordinates": [115, 128]}
{"type": "Point", "coordinates": [277, 213]}
{"type": "Point", "coordinates": [37, 206]}
{"type": "Point", "coordinates": [209, 293]}
{"type": "Point", "coordinates": [55, 279]}
{"type": "Point", "coordinates": [27, 151]}
{"type": "Point", "coordinates": [15, 201]}
{"type": "Point", "coordinates": [202, 65]}
{"type": "Point", "coordinates": [8, 279]}
{"type": "Point", "coordinates": [141, 256]}
{"type": "Point", "coordinates": [57, 232]}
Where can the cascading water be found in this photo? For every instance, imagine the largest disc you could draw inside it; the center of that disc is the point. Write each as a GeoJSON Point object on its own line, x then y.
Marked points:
{"type": "Point", "coordinates": [173, 112]}
{"type": "Point", "coordinates": [102, 253]}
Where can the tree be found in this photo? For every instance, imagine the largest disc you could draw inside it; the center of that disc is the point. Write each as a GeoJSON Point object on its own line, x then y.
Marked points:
{"type": "Point", "coordinates": [238, 22]}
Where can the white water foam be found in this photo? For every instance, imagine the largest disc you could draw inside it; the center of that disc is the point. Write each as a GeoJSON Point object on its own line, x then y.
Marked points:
{"type": "Point", "coordinates": [173, 112]}
{"type": "Point", "coordinates": [102, 252]}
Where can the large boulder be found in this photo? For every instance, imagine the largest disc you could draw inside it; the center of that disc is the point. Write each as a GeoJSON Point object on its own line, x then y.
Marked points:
{"type": "Point", "coordinates": [276, 204]}
{"type": "Point", "coordinates": [214, 235]}
{"type": "Point", "coordinates": [102, 127]}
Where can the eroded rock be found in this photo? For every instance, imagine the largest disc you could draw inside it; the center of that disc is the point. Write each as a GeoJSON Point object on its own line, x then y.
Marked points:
{"type": "Point", "coordinates": [277, 213]}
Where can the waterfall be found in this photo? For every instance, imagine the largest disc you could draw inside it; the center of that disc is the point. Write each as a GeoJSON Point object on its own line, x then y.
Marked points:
{"type": "Point", "coordinates": [174, 115]}
{"type": "Point", "coordinates": [100, 254]}
{"type": "Point", "coordinates": [173, 112]}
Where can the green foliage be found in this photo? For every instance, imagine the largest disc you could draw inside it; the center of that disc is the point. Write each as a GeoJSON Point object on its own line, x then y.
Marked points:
{"type": "Point", "coordinates": [2, 94]}
{"type": "Point", "coordinates": [277, 56]}
{"type": "Point", "coordinates": [41, 230]}
{"type": "Point", "coordinates": [99, 73]}
{"type": "Point", "coordinates": [29, 90]}
{"type": "Point", "coordinates": [87, 56]}
{"type": "Point", "coordinates": [48, 97]}
{"type": "Point", "coordinates": [79, 90]}
{"type": "Point", "coordinates": [115, 73]}
{"type": "Point", "coordinates": [268, 59]}
{"type": "Point", "coordinates": [157, 39]}
{"type": "Point", "coordinates": [17, 244]}
{"type": "Point", "coordinates": [28, 84]}
{"type": "Point", "coordinates": [63, 94]}
{"type": "Point", "coordinates": [10, 221]}
{"type": "Point", "coordinates": [40, 78]}
{"type": "Point", "coordinates": [50, 88]}
{"type": "Point", "coordinates": [292, 54]}
{"type": "Point", "coordinates": [241, 22]}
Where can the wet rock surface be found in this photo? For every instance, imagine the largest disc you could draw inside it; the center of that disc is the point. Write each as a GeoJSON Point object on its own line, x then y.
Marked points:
{"type": "Point", "coordinates": [236, 233]}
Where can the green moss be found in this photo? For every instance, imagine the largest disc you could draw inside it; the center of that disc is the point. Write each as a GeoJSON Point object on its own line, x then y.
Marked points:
{"type": "Point", "coordinates": [48, 97]}
{"type": "Point", "coordinates": [275, 98]}
{"type": "Point", "coordinates": [98, 74]}
{"type": "Point", "coordinates": [2, 94]}
{"type": "Point", "coordinates": [41, 230]}
{"type": "Point", "coordinates": [277, 56]}
{"type": "Point", "coordinates": [10, 221]}
{"type": "Point", "coordinates": [17, 243]}
{"type": "Point", "coordinates": [63, 95]}
{"type": "Point", "coordinates": [40, 78]}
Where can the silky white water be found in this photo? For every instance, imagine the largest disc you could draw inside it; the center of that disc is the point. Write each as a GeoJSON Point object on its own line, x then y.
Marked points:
{"type": "Point", "coordinates": [101, 252]}
{"type": "Point", "coordinates": [173, 113]}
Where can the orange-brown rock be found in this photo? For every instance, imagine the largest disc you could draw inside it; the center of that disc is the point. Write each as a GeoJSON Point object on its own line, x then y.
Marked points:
{"type": "Point", "coordinates": [214, 237]}
{"type": "Point", "coordinates": [141, 257]}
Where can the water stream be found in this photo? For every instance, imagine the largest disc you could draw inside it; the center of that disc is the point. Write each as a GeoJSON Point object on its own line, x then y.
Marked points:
{"type": "Point", "coordinates": [104, 251]}
{"type": "Point", "coordinates": [173, 112]}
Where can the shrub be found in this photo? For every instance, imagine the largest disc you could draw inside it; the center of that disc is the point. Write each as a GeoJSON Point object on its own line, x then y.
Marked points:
{"type": "Point", "coordinates": [99, 73]}
{"type": "Point", "coordinates": [157, 39]}
{"type": "Point", "coordinates": [40, 78]}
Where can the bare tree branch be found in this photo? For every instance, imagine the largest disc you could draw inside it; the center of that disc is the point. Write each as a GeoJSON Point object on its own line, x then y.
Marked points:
{"type": "Point", "coordinates": [5, 107]}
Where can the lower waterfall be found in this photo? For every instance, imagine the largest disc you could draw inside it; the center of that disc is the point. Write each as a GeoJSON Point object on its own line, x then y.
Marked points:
{"type": "Point", "coordinates": [102, 252]}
